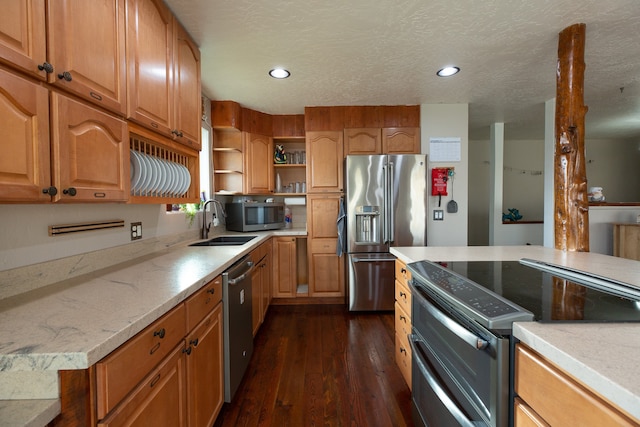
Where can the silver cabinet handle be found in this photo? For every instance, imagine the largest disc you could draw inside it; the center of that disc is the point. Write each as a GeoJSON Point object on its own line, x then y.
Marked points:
{"type": "Point", "coordinates": [440, 392]}
{"type": "Point", "coordinates": [461, 332]}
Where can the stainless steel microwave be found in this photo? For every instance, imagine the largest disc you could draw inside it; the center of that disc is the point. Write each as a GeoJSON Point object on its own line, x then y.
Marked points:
{"type": "Point", "coordinates": [254, 216]}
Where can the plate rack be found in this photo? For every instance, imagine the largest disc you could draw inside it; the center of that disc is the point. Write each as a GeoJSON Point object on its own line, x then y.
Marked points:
{"type": "Point", "coordinates": [162, 172]}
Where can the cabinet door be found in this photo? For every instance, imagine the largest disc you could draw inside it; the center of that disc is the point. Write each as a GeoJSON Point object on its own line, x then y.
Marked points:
{"type": "Point", "coordinates": [326, 269]}
{"type": "Point", "coordinates": [401, 140]}
{"type": "Point", "coordinates": [150, 62]}
{"type": "Point", "coordinates": [324, 161]}
{"type": "Point", "coordinates": [256, 304]}
{"type": "Point", "coordinates": [205, 370]}
{"type": "Point", "coordinates": [362, 141]}
{"type": "Point", "coordinates": [258, 164]}
{"type": "Point", "coordinates": [265, 272]}
{"type": "Point", "coordinates": [157, 401]}
{"type": "Point", "coordinates": [187, 127]}
{"type": "Point", "coordinates": [90, 151]}
{"type": "Point", "coordinates": [284, 267]}
{"type": "Point", "coordinates": [24, 118]}
{"type": "Point", "coordinates": [86, 42]}
{"type": "Point", "coordinates": [23, 35]}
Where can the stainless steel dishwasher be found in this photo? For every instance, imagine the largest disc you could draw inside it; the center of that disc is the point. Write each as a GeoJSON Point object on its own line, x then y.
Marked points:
{"type": "Point", "coordinates": [238, 329]}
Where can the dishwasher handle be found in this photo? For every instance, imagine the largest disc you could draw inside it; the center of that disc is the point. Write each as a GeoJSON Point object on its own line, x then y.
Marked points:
{"type": "Point", "coordinates": [241, 277]}
{"type": "Point", "coordinates": [238, 271]}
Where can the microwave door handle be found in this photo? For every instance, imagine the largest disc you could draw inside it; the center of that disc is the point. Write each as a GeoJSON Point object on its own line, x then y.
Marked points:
{"type": "Point", "coordinates": [440, 392]}
{"type": "Point", "coordinates": [468, 337]}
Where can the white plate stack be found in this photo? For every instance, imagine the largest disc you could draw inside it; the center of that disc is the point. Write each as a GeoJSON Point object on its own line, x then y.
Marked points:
{"type": "Point", "coordinates": [155, 177]}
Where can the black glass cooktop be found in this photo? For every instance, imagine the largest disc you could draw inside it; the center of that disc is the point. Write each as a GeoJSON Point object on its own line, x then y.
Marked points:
{"type": "Point", "coordinates": [546, 295]}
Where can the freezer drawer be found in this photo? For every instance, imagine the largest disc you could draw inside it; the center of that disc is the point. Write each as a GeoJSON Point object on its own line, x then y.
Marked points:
{"type": "Point", "coordinates": [371, 282]}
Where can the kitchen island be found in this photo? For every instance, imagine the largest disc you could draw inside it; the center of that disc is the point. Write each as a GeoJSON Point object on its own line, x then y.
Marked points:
{"type": "Point", "coordinates": [602, 356]}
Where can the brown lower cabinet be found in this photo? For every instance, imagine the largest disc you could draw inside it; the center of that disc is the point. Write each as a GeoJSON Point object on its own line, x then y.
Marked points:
{"type": "Point", "coordinates": [260, 284]}
{"type": "Point", "coordinates": [402, 322]}
{"type": "Point", "coordinates": [169, 374]}
{"type": "Point", "coordinates": [546, 395]}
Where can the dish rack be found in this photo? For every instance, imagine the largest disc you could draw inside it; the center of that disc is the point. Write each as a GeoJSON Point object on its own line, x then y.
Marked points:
{"type": "Point", "coordinates": [162, 174]}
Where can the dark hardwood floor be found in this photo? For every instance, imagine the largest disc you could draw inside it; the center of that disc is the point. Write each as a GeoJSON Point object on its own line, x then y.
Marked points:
{"type": "Point", "coordinates": [320, 365]}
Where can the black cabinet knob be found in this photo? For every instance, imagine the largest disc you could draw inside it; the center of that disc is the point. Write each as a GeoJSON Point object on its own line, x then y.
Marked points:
{"type": "Point", "coordinates": [70, 191]}
{"type": "Point", "coordinates": [52, 191]}
{"type": "Point", "coordinates": [65, 76]}
{"type": "Point", "coordinates": [194, 342]}
{"type": "Point", "coordinates": [187, 350]}
{"type": "Point", "coordinates": [46, 67]}
{"type": "Point", "coordinates": [159, 333]}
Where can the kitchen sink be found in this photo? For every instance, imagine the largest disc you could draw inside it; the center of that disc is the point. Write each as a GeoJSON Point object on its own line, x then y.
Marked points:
{"type": "Point", "coordinates": [225, 241]}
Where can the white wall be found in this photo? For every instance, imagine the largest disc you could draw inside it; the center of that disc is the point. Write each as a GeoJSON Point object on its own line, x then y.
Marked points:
{"type": "Point", "coordinates": [448, 120]}
{"type": "Point", "coordinates": [601, 219]}
{"type": "Point", "coordinates": [520, 185]}
{"type": "Point", "coordinates": [24, 229]}
{"type": "Point", "coordinates": [614, 165]}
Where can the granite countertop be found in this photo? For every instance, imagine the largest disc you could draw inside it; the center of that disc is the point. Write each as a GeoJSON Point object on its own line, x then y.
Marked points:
{"type": "Point", "coordinates": [602, 356]}
{"type": "Point", "coordinates": [74, 323]}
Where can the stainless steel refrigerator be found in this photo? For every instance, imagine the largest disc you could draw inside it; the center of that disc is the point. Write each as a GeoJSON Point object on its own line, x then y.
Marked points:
{"type": "Point", "coordinates": [386, 205]}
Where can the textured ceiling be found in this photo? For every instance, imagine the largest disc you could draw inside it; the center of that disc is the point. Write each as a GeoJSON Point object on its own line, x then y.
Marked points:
{"type": "Point", "coordinates": [386, 52]}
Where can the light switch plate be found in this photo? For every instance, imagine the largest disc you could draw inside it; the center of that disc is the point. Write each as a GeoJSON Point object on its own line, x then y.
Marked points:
{"type": "Point", "coordinates": [438, 215]}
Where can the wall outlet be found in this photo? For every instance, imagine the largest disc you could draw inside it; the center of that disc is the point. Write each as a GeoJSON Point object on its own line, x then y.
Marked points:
{"type": "Point", "coordinates": [136, 230]}
{"type": "Point", "coordinates": [438, 215]}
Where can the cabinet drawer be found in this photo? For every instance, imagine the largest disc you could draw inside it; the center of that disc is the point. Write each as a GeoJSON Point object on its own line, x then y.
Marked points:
{"type": "Point", "coordinates": [523, 416]}
{"type": "Point", "coordinates": [403, 275]}
{"type": "Point", "coordinates": [403, 296]}
{"type": "Point", "coordinates": [403, 359]}
{"type": "Point", "coordinates": [203, 301]}
{"type": "Point", "coordinates": [402, 324]}
{"type": "Point", "coordinates": [159, 400]}
{"type": "Point", "coordinates": [558, 398]}
{"type": "Point", "coordinates": [118, 373]}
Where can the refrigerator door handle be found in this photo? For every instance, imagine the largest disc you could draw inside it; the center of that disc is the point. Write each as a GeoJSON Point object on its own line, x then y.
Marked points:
{"type": "Point", "coordinates": [390, 219]}
{"type": "Point", "coordinates": [385, 206]}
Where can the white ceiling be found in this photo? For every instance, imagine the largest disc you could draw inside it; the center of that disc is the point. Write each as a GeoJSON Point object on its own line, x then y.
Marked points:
{"type": "Point", "coordinates": [386, 52]}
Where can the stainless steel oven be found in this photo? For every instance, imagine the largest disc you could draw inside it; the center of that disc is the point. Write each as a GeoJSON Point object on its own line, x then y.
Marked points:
{"type": "Point", "coordinates": [462, 314]}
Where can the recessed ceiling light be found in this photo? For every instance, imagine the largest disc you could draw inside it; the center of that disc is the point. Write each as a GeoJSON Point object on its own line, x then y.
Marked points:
{"type": "Point", "coordinates": [279, 73]}
{"type": "Point", "coordinates": [448, 71]}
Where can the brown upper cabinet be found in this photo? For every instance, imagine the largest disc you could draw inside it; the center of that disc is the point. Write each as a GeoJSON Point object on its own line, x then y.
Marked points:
{"type": "Point", "coordinates": [288, 126]}
{"type": "Point", "coordinates": [55, 42]}
{"type": "Point", "coordinates": [25, 166]}
{"type": "Point", "coordinates": [156, 41]}
{"type": "Point", "coordinates": [382, 130]}
{"type": "Point", "coordinates": [258, 152]}
{"type": "Point", "coordinates": [83, 156]}
{"type": "Point", "coordinates": [243, 149]}
{"type": "Point", "coordinates": [324, 162]}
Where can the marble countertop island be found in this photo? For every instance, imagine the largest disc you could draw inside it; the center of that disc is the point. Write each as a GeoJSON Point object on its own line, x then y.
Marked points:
{"type": "Point", "coordinates": [603, 356]}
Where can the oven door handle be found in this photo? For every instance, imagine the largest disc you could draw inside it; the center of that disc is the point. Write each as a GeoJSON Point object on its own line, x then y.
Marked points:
{"type": "Point", "coordinates": [439, 391]}
{"type": "Point", "coordinates": [461, 332]}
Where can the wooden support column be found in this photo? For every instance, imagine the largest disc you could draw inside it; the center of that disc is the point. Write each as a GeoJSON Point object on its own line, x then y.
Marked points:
{"type": "Point", "coordinates": [571, 213]}
{"type": "Point", "coordinates": [571, 210]}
